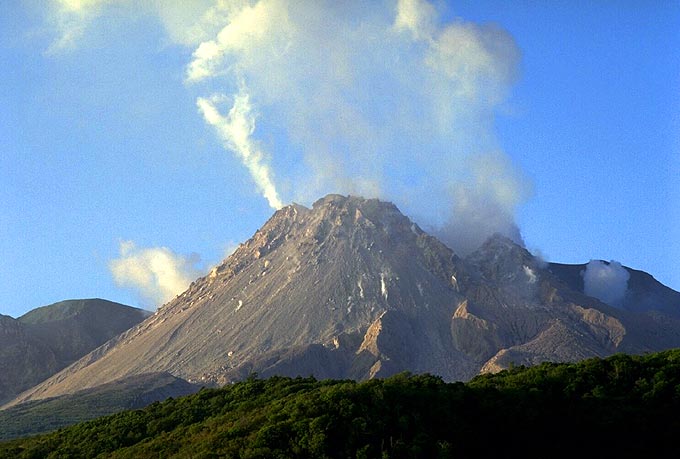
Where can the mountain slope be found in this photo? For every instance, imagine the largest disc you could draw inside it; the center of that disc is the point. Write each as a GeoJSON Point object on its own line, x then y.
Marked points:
{"type": "Point", "coordinates": [24, 361]}
{"type": "Point", "coordinates": [328, 289]}
{"type": "Point", "coordinates": [522, 311]}
{"type": "Point", "coordinates": [47, 339]}
{"type": "Point", "coordinates": [351, 288]}
{"type": "Point", "coordinates": [54, 413]}
{"type": "Point", "coordinates": [644, 294]}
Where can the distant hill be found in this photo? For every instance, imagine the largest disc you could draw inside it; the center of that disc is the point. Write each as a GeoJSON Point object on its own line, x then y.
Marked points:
{"type": "Point", "coordinates": [644, 294]}
{"type": "Point", "coordinates": [47, 339]}
{"type": "Point", "coordinates": [619, 406]}
{"type": "Point", "coordinates": [353, 289]}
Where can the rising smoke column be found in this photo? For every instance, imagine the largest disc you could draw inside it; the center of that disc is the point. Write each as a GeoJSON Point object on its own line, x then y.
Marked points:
{"type": "Point", "coordinates": [71, 18]}
{"type": "Point", "coordinates": [386, 102]}
{"type": "Point", "coordinates": [245, 26]}
{"type": "Point", "coordinates": [608, 282]}
{"type": "Point", "coordinates": [236, 130]}
{"type": "Point", "coordinates": [383, 99]}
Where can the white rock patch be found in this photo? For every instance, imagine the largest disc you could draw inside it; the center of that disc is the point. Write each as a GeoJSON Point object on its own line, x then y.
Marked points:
{"type": "Point", "coordinates": [531, 275]}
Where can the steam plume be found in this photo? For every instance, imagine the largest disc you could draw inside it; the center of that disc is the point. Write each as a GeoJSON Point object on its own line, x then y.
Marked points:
{"type": "Point", "coordinates": [235, 130]}
{"type": "Point", "coordinates": [416, 129]}
{"type": "Point", "coordinates": [157, 273]}
{"type": "Point", "coordinates": [385, 99]}
{"type": "Point", "coordinates": [608, 282]}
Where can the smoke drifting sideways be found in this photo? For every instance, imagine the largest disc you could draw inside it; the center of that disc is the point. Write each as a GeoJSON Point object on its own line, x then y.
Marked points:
{"type": "Point", "coordinates": [380, 99]}
{"type": "Point", "coordinates": [156, 273]}
{"type": "Point", "coordinates": [608, 282]}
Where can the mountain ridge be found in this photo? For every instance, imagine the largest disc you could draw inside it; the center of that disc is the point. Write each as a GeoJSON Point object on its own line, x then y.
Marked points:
{"type": "Point", "coordinates": [353, 288]}
{"type": "Point", "coordinates": [45, 340]}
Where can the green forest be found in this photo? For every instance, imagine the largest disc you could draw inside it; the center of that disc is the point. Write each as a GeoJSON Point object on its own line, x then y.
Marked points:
{"type": "Point", "coordinates": [619, 406]}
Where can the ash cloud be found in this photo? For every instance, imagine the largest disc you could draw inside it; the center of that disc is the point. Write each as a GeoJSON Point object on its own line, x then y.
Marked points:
{"type": "Point", "coordinates": [156, 273]}
{"type": "Point", "coordinates": [608, 282]}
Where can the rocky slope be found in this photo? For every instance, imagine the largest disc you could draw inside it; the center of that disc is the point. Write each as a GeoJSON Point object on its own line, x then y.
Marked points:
{"type": "Point", "coordinates": [644, 294]}
{"type": "Point", "coordinates": [351, 288]}
{"type": "Point", "coordinates": [47, 339]}
{"type": "Point", "coordinates": [523, 311]}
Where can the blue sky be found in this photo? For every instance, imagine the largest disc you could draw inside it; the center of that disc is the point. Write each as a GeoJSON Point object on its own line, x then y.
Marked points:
{"type": "Point", "coordinates": [141, 144]}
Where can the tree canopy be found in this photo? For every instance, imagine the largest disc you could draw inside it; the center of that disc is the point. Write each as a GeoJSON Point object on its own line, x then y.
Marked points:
{"type": "Point", "coordinates": [623, 404]}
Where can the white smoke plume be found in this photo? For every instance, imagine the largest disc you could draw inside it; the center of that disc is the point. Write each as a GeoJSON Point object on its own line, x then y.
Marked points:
{"type": "Point", "coordinates": [531, 274]}
{"type": "Point", "coordinates": [416, 17]}
{"type": "Point", "coordinates": [236, 129]}
{"type": "Point", "coordinates": [384, 99]}
{"type": "Point", "coordinates": [187, 22]}
{"type": "Point", "coordinates": [484, 204]}
{"type": "Point", "coordinates": [378, 102]}
{"type": "Point", "coordinates": [156, 273]}
{"type": "Point", "coordinates": [608, 282]}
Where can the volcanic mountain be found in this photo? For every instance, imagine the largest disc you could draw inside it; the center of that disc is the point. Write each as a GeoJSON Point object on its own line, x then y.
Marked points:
{"type": "Point", "coordinates": [49, 338]}
{"type": "Point", "coordinates": [352, 288]}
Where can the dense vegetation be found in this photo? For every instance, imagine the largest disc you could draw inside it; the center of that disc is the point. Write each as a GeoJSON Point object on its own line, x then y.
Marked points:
{"type": "Point", "coordinates": [618, 406]}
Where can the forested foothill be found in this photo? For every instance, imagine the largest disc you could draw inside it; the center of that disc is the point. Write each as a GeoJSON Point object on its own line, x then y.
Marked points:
{"type": "Point", "coordinates": [619, 406]}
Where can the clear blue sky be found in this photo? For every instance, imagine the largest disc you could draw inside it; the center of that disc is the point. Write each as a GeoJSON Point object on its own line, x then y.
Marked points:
{"type": "Point", "coordinates": [113, 166]}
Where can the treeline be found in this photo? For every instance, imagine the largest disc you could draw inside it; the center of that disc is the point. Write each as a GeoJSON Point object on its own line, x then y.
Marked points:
{"type": "Point", "coordinates": [620, 406]}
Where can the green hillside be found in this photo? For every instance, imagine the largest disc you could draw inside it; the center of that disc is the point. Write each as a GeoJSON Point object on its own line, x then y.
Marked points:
{"type": "Point", "coordinates": [620, 406]}
{"type": "Point", "coordinates": [46, 415]}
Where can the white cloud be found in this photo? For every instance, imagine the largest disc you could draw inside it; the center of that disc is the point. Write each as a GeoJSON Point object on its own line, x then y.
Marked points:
{"type": "Point", "coordinates": [484, 203]}
{"type": "Point", "coordinates": [479, 61]}
{"type": "Point", "coordinates": [187, 22]}
{"type": "Point", "coordinates": [608, 282]}
{"type": "Point", "coordinates": [246, 28]}
{"type": "Point", "coordinates": [79, 5]}
{"type": "Point", "coordinates": [417, 128]}
{"type": "Point", "coordinates": [190, 22]}
{"type": "Point", "coordinates": [416, 17]}
{"type": "Point", "coordinates": [70, 19]}
{"type": "Point", "coordinates": [156, 273]}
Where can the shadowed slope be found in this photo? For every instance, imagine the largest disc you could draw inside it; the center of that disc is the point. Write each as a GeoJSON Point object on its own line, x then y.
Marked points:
{"type": "Point", "coordinates": [47, 339]}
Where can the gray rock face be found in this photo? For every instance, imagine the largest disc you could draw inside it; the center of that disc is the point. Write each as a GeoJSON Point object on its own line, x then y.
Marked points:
{"type": "Point", "coordinates": [47, 339]}
{"type": "Point", "coordinates": [24, 360]}
{"type": "Point", "coordinates": [351, 288]}
{"type": "Point", "coordinates": [644, 294]}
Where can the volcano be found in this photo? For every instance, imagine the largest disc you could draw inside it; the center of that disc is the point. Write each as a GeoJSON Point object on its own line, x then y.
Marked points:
{"type": "Point", "coordinates": [352, 288]}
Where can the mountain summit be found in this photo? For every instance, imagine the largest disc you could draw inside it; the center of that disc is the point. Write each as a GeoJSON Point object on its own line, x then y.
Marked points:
{"type": "Point", "coordinates": [352, 288]}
